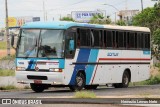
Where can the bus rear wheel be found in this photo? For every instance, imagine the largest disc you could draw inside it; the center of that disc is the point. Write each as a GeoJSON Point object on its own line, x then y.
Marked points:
{"type": "Point", "coordinates": [125, 81]}
{"type": "Point", "coordinates": [37, 87]}
{"type": "Point", "coordinates": [79, 82]}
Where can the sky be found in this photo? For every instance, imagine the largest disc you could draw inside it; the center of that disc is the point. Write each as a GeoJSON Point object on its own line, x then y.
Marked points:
{"type": "Point", "coordinates": [59, 8]}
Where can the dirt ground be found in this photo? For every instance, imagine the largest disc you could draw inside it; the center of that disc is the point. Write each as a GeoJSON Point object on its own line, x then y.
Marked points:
{"type": "Point", "coordinates": [154, 71]}
{"type": "Point", "coordinates": [3, 53]}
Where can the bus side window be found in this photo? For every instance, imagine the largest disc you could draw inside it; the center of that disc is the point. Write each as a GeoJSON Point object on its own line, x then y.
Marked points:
{"type": "Point", "coordinates": [128, 40]}
{"type": "Point", "coordinates": [125, 39]}
{"type": "Point", "coordinates": [114, 39]}
{"type": "Point", "coordinates": [85, 37]}
{"type": "Point", "coordinates": [139, 46]}
{"type": "Point", "coordinates": [78, 38]}
{"type": "Point", "coordinates": [104, 39]}
{"type": "Point", "coordinates": [136, 45]}
{"type": "Point", "coordinates": [121, 40]}
{"type": "Point", "coordinates": [117, 39]}
{"type": "Point", "coordinates": [109, 40]}
{"type": "Point", "coordinates": [101, 38]}
{"type": "Point", "coordinates": [147, 41]}
{"type": "Point", "coordinates": [97, 38]}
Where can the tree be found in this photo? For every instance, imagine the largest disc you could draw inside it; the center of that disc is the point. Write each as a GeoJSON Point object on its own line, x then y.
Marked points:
{"type": "Point", "coordinates": [121, 23]}
{"type": "Point", "coordinates": [100, 19]}
{"type": "Point", "coordinates": [67, 19]}
{"type": "Point", "coordinates": [149, 17]}
{"type": "Point", "coordinates": [156, 36]}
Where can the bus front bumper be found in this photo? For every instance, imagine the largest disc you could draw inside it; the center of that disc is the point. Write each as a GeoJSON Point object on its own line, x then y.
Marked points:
{"type": "Point", "coordinates": [52, 78]}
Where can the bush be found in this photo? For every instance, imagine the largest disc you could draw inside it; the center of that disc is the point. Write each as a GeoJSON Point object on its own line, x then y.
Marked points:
{"type": "Point", "coordinates": [152, 80]}
{"type": "Point", "coordinates": [3, 45]}
{"type": "Point", "coordinates": [8, 87]}
{"type": "Point", "coordinates": [7, 72]}
{"type": "Point", "coordinates": [11, 57]}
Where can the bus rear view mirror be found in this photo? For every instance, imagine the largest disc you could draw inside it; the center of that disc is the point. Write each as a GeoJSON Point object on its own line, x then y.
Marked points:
{"type": "Point", "coordinates": [12, 41]}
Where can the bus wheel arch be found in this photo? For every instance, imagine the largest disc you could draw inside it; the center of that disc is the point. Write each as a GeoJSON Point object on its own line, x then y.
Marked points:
{"type": "Point", "coordinates": [80, 81]}
{"type": "Point", "coordinates": [129, 72]}
{"type": "Point", "coordinates": [126, 78]}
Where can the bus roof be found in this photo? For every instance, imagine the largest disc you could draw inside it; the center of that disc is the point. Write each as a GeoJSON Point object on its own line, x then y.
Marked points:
{"type": "Point", "coordinates": [68, 24]}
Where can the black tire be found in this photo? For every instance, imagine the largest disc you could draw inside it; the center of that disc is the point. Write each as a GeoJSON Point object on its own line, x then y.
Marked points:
{"type": "Point", "coordinates": [80, 82]}
{"type": "Point", "coordinates": [125, 81]}
{"type": "Point", "coordinates": [90, 87]}
{"type": "Point", "coordinates": [37, 87]}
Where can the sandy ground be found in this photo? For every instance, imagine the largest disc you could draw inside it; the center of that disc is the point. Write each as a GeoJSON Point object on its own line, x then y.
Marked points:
{"type": "Point", "coordinates": [4, 52]}
{"type": "Point", "coordinates": [154, 71]}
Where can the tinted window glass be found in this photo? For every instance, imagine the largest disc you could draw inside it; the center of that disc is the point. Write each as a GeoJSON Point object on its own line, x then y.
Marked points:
{"type": "Point", "coordinates": [84, 37]}
{"type": "Point", "coordinates": [120, 39]}
{"type": "Point", "coordinates": [109, 39]}
{"type": "Point", "coordinates": [147, 41]}
{"type": "Point", "coordinates": [96, 35]}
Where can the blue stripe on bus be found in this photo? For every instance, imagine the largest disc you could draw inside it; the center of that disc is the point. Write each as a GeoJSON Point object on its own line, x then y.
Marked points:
{"type": "Point", "coordinates": [30, 64]}
{"type": "Point", "coordinates": [83, 56]}
{"type": "Point", "coordinates": [90, 68]}
{"type": "Point", "coordinates": [33, 64]}
{"type": "Point", "coordinates": [146, 52]}
{"type": "Point", "coordinates": [61, 63]}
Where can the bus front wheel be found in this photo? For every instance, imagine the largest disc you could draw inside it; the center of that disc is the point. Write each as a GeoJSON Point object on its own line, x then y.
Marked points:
{"type": "Point", "coordinates": [79, 82]}
{"type": "Point", "coordinates": [89, 87]}
{"type": "Point", "coordinates": [125, 81]}
{"type": "Point", "coordinates": [37, 87]}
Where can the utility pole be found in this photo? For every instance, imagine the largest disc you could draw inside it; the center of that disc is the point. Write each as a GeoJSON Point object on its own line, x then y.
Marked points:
{"type": "Point", "coordinates": [7, 29]}
{"type": "Point", "coordinates": [44, 11]}
{"type": "Point", "coordinates": [126, 6]}
{"type": "Point", "coordinates": [115, 17]}
{"type": "Point", "coordinates": [142, 5]}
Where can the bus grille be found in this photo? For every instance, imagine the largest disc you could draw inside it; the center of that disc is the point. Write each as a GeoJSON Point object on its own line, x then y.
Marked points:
{"type": "Point", "coordinates": [37, 77]}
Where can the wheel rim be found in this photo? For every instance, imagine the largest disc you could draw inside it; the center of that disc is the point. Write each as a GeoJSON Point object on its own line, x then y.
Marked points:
{"type": "Point", "coordinates": [125, 79]}
{"type": "Point", "coordinates": [79, 81]}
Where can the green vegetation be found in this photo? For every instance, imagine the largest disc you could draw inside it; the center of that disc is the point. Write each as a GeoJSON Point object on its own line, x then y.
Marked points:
{"type": "Point", "coordinates": [149, 17]}
{"type": "Point", "coordinates": [85, 94]}
{"type": "Point", "coordinates": [67, 19]}
{"type": "Point", "coordinates": [8, 87]}
{"type": "Point", "coordinates": [121, 23]}
{"type": "Point", "coordinates": [151, 81]}
{"type": "Point", "coordinates": [3, 45]}
{"type": "Point", "coordinates": [11, 57]}
{"type": "Point", "coordinates": [100, 19]}
{"type": "Point", "coordinates": [156, 34]}
{"type": "Point", "coordinates": [7, 72]}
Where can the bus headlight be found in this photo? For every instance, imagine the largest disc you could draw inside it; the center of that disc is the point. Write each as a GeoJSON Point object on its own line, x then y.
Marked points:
{"type": "Point", "coordinates": [55, 70]}
{"type": "Point", "coordinates": [20, 68]}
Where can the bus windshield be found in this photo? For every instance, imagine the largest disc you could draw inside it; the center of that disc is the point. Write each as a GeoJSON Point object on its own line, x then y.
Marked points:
{"type": "Point", "coordinates": [41, 43]}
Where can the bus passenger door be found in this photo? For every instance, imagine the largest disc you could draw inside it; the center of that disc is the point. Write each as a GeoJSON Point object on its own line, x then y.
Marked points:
{"type": "Point", "coordinates": [70, 44]}
{"type": "Point", "coordinates": [70, 50]}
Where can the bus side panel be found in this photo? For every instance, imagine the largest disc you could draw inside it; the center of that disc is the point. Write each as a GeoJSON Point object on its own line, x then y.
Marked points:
{"type": "Point", "coordinates": [144, 70]}
{"type": "Point", "coordinates": [116, 62]}
{"type": "Point", "coordinates": [106, 71]}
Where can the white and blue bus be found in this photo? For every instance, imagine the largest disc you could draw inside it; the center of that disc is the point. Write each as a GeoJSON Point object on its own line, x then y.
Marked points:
{"type": "Point", "coordinates": [79, 55]}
